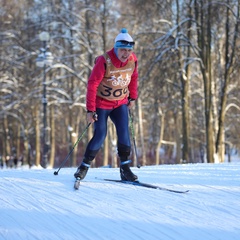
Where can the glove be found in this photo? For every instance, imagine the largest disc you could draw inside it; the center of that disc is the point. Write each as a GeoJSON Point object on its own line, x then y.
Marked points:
{"type": "Point", "coordinates": [131, 102]}
{"type": "Point", "coordinates": [92, 116]}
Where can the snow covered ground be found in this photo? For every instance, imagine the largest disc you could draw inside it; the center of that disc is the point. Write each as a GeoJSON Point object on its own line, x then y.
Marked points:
{"type": "Point", "coordinates": [36, 204]}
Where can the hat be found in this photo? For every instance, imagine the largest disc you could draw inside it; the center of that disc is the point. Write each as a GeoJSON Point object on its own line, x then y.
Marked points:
{"type": "Point", "coordinates": [124, 40]}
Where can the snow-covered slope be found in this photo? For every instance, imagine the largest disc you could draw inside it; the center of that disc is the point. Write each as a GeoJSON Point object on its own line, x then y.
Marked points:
{"type": "Point", "coordinates": [36, 204]}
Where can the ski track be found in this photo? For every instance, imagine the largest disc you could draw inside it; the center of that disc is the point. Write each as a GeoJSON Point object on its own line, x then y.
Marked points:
{"type": "Point", "coordinates": [44, 206]}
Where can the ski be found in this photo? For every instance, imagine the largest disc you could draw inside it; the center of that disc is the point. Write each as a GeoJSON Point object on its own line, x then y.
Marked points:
{"type": "Point", "coordinates": [77, 183]}
{"type": "Point", "coordinates": [141, 184]}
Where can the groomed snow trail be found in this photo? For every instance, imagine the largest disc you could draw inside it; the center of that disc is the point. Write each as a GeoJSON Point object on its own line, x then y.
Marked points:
{"type": "Point", "coordinates": [36, 204]}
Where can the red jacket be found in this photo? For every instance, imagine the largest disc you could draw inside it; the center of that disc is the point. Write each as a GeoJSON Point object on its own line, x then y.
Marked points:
{"type": "Point", "coordinates": [93, 101]}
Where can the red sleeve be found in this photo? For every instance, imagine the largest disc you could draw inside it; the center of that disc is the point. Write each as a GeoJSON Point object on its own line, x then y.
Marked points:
{"type": "Point", "coordinates": [94, 80]}
{"type": "Point", "coordinates": [133, 86]}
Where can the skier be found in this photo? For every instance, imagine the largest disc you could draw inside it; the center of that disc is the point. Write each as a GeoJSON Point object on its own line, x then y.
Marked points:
{"type": "Point", "coordinates": [111, 90]}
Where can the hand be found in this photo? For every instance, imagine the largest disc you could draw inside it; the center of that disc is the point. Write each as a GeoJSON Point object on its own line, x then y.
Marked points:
{"type": "Point", "coordinates": [131, 104]}
{"type": "Point", "coordinates": [92, 117]}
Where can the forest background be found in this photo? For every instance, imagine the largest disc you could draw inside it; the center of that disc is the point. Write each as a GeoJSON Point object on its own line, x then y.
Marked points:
{"type": "Point", "coordinates": [188, 54]}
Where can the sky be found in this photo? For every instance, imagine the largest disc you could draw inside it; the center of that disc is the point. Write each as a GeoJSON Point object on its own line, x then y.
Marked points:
{"type": "Point", "coordinates": [36, 204]}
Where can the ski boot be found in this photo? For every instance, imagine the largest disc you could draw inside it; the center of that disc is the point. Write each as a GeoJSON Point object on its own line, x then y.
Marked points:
{"type": "Point", "coordinates": [82, 171]}
{"type": "Point", "coordinates": [126, 173]}
{"type": "Point", "coordinates": [83, 168]}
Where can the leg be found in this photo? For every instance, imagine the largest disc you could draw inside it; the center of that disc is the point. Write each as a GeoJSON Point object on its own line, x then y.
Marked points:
{"type": "Point", "coordinates": [119, 116]}
{"type": "Point", "coordinates": [100, 132]}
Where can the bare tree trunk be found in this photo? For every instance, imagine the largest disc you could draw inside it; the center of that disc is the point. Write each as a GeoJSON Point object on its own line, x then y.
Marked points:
{"type": "Point", "coordinates": [178, 139]}
{"type": "Point", "coordinates": [185, 119]}
{"type": "Point", "coordinates": [141, 131]}
{"type": "Point", "coordinates": [229, 56]}
{"type": "Point", "coordinates": [75, 135]}
{"type": "Point", "coordinates": [184, 76]}
{"type": "Point", "coordinates": [204, 42]}
{"type": "Point", "coordinates": [162, 115]}
{"type": "Point", "coordinates": [7, 137]}
{"type": "Point", "coordinates": [70, 129]}
{"type": "Point", "coordinates": [27, 148]}
{"type": "Point", "coordinates": [18, 133]}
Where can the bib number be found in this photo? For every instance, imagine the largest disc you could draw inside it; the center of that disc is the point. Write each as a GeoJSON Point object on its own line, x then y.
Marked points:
{"type": "Point", "coordinates": [115, 93]}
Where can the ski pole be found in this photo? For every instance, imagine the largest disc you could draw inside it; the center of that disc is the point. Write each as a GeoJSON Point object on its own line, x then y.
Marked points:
{"type": "Point", "coordinates": [65, 160]}
{"type": "Point", "coordinates": [133, 137]}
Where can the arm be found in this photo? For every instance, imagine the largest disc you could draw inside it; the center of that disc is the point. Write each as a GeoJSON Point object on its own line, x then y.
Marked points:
{"type": "Point", "coordinates": [133, 86]}
{"type": "Point", "coordinates": [94, 80]}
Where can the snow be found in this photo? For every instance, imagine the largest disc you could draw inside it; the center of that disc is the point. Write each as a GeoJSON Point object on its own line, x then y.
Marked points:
{"type": "Point", "coordinates": [36, 204]}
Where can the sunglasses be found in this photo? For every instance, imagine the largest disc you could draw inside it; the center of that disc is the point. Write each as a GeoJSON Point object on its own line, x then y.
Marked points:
{"type": "Point", "coordinates": [126, 43]}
